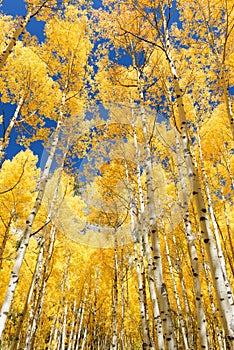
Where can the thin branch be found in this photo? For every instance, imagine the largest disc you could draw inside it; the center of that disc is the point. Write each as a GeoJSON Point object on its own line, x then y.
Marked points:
{"type": "Point", "coordinates": [41, 228]}
{"type": "Point", "coordinates": [18, 181]}
{"type": "Point", "coordinates": [143, 39]}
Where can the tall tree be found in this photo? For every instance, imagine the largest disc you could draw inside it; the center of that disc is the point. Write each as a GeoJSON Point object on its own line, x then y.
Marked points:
{"type": "Point", "coordinates": [72, 69]}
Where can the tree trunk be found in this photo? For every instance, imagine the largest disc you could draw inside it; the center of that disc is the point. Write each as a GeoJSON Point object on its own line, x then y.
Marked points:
{"type": "Point", "coordinates": [162, 295]}
{"type": "Point", "coordinates": [190, 238]}
{"type": "Point", "coordinates": [40, 287]}
{"type": "Point", "coordinates": [6, 137]}
{"type": "Point", "coordinates": [214, 223]}
{"type": "Point", "coordinates": [139, 259]}
{"type": "Point", "coordinates": [225, 308]}
{"type": "Point", "coordinates": [122, 278]}
{"type": "Point", "coordinates": [176, 294]}
{"type": "Point", "coordinates": [81, 317]}
{"type": "Point", "coordinates": [114, 342]}
{"type": "Point", "coordinates": [27, 233]}
{"type": "Point", "coordinates": [18, 31]}
{"type": "Point", "coordinates": [5, 238]}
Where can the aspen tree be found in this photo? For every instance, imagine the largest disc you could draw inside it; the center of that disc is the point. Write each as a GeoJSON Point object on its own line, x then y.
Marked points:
{"type": "Point", "coordinates": [32, 11]}
{"type": "Point", "coordinates": [142, 228]}
{"type": "Point", "coordinates": [211, 211]}
{"type": "Point", "coordinates": [27, 233]}
{"type": "Point", "coordinates": [59, 329]}
{"type": "Point", "coordinates": [163, 303]}
{"type": "Point", "coordinates": [140, 269]}
{"type": "Point", "coordinates": [201, 318]}
{"type": "Point", "coordinates": [177, 297]}
{"type": "Point", "coordinates": [73, 328]}
{"type": "Point", "coordinates": [225, 308]}
{"type": "Point", "coordinates": [82, 306]}
{"type": "Point", "coordinates": [14, 196]}
{"type": "Point", "coordinates": [66, 86]}
{"type": "Point", "coordinates": [43, 263]}
{"type": "Point", "coordinates": [211, 297]}
{"type": "Point", "coordinates": [25, 82]}
{"type": "Point", "coordinates": [217, 22]}
{"type": "Point", "coordinates": [157, 266]}
{"type": "Point", "coordinates": [122, 279]}
{"type": "Point", "coordinates": [37, 276]}
{"type": "Point", "coordinates": [114, 342]}
{"type": "Point", "coordinates": [95, 319]}
{"type": "Point", "coordinates": [6, 138]}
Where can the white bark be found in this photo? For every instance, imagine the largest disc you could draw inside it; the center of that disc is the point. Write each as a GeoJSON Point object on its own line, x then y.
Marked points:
{"type": "Point", "coordinates": [176, 294]}
{"type": "Point", "coordinates": [190, 238]}
{"type": "Point", "coordinates": [26, 235]}
{"type": "Point", "coordinates": [36, 307]}
{"type": "Point", "coordinates": [140, 269]}
{"type": "Point", "coordinates": [37, 271]}
{"type": "Point", "coordinates": [71, 340]}
{"type": "Point", "coordinates": [122, 277]}
{"type": "Point", "coordinates": [19, 30]}
{"type": "Point", "coordinates": [81, 318]}
{"type": "Point", "coordinates": [212, 303]}
{"type": "Point", "coordinates": [64, 326]}
{"type": "Point", "coordinates": [225, 308]}
{"type": "Point", "coordinates": [216, 231]}
{"type": "Point", "coordinates": [162, 296]}
{"type": "Point", "coordinates": [160, 302]}
{"type": "Point", "coordinates": [114, 342]}
{"type": "Point", "coordinates": [52, 332]}
{"type": "Point", "coordinates": [6, 138]}
{"type": "Point", "coordinates": [188, 312]}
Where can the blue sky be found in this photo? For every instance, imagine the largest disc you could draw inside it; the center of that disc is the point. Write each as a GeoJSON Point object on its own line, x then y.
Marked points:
{"type": "Point", "coordinates": [18, 8]}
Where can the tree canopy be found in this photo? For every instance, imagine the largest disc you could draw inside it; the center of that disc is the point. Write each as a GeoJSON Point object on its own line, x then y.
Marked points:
{"type": "Point", "coordinates": [120, 235]}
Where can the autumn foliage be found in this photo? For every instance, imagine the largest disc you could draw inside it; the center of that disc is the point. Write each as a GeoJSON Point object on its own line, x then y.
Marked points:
{"type": "Point", "coordinates": [120, 235]}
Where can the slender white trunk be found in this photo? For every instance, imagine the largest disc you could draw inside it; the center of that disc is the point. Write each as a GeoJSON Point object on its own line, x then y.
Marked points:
{"type": "Point", "coordinates": [190, 238]}
{"type": "Point", "coordinates": [229, 233]}
{"type": "Point", "coordinates": [142, 296]}
{"type": "Point", "coordinates": [122, 280]}
{"type": "Point", "coordinates": [81, 318]}
{"type": "Point", "coordinates": [214, 223]}
{"type": "Point", "coordinates": [225, 308]}
{"type": "Point", "coordinates": [42, 275]}
{"type": "Point", "coordinates": [18, 31]}
{"type": "Point", "coordinates": [114, 342]}
{"type": "Point", "coordinates": [188, 312]}
{"type": "Point", "coordinates": [151, 281]}
{"type": "Point", "coordinates": [140, 269]}
{"type": "Point", "coordinates": [212, 303]}
{"type": "Point", "coordinates": [95, 322]}
{"type": "Point", "coordinates": [162, 295]}
{"type": "Point", "coordinates": [52, 332]}
{"type": "Point", "coordinates": [227, 99]}
{"type": "Point", "coordinates": [37, 271]}
{"type": "Point", "coordinates": [84, 337]}
{"type": "Point", "coordinates": [26, 235]}
{"type": "Point", "coordinates": [176, 294]}
{"type": "Point", "coordinates": [72, 331]}
{"type": "Point", "coordinates": [57, 334]}
{"type": "Point", "coordinates": [43, 264]}
{"type": "Point", "coordinates": [64, 326]}
{"type": "Point", "coordinates": [6, 138]}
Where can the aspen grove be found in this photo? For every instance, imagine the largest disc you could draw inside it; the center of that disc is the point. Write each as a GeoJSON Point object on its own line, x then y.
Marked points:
{"type": "Point", "coordinates": [117, 176]}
